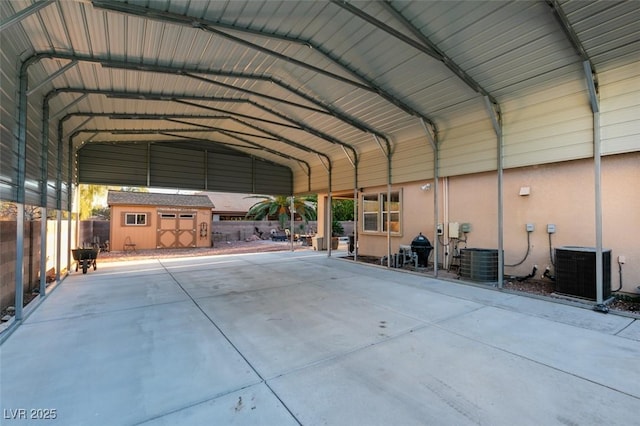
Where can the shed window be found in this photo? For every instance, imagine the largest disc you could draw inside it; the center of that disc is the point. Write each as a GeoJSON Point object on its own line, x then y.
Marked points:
{"type": "Point", "coordinates": [376, 209]}
{"type": "Point", "coordinates": [133, 219]}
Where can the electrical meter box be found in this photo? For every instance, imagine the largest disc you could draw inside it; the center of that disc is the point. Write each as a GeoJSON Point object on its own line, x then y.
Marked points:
{"type": "Point", "coordinates": [465, 227]}
{"type": "Point", "coordinates": [454, 230]}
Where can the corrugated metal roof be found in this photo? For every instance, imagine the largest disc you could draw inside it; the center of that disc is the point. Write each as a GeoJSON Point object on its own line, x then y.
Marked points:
{"type": "Point", "coordinates": [157, 199]}
{"type": "Point", "coordinates": [342, 75]}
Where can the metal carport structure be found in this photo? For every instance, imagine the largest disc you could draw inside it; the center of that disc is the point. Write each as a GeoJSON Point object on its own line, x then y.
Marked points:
{"type": "Point", "coordinates": [329, 90]}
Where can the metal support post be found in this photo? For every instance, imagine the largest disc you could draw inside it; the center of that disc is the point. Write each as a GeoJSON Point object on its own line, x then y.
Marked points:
{"type": "Point", "coordinates": [43, 251]}
{"type": "Point", "coordinates": [597, 164]}
{"type": "Point", "coordinates": [19, 298]}
{"type": "Point", "coordinates": [433, 141]}
{"type": "Point", "coordinates": [58, 243]}
{"type": "Point", "coordinates": [496, 120]}
{"type": "Point", "coordinates": [292, 227]}
{"type": "Point", "coordinates": [44, 189]}
{"type": "Point", "coordinates": [598, 211]}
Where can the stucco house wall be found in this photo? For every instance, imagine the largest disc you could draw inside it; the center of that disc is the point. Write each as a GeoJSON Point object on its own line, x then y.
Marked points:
{"type": "Point", "coordinates": [559, 193]}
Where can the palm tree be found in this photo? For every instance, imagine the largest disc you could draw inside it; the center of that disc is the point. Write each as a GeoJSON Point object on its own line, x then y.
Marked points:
{"type": "Point", "coordinates": [280, 205]}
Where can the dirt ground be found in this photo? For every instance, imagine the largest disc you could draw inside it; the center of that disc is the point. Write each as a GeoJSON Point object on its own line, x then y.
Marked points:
{"type": "Point", "coordinates": [231, 247]}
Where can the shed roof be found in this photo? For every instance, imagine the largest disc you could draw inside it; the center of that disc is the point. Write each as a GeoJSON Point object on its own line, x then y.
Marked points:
{"type": "Point", "coordinates": [226, 202]}
{"type": "Point", "coordinates": [156, 199]}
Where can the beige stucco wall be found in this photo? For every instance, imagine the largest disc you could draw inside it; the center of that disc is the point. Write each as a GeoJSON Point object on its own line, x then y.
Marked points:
{"type": "Point", "coordinates": [560, 193]}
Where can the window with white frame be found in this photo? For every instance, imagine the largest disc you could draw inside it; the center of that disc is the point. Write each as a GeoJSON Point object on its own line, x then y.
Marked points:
{"type": "Point", "coordinates": [135, 219]}
{"type": "Point", "coordinates": [376, 209]}
{"type": "Point", "coordinates": [391, 208]}
{"type": "Point", "coordinates": [371, 213]}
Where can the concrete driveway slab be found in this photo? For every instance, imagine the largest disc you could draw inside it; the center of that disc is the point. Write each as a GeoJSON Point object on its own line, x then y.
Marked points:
{"type": "Point", "coordinates": [422, 304]}
{"type": "Point", "coordinates": [109, 270]}
{"type": "Point", "coordinates": [253, 405]}
{"type": "Point", "coordinates": [120, 368]}
{"type": "Point", "coordinates": [207, 281]}
{"type": "Point", "coordinates": [300, 338]}
{"type": "Point", "coordinates": [434, 377]}
{"type": "Point", "coordinates": [584, 318]}
{"type": "Point", "coordinates": [285, 328]}
{"type": "Point", "coordinates": [84, 296]}
{"type": "Point", "coordinates": [632, 331]}
{"type": "Point", "coordinates": [594, 356]}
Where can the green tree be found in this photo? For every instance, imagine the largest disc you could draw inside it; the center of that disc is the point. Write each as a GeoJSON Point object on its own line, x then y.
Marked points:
{"type": "Point", "coordinates": [280, 206]}
{"type": "Point", "coordinates": [89, 196]}
{"type": "Point", "coordinates": [102, 212]}
{"type": "Point", "coordinates": [342, 209]}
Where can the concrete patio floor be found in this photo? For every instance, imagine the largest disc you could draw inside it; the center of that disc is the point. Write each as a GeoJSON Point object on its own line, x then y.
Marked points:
{"type": "Point", "coordinates": [300, 338]}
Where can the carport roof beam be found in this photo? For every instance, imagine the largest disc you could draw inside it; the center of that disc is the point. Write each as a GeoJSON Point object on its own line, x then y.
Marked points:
{"type": "Point", "coordinates": [280, 138]}
{"type": "Point", "coordinates": [272, 135]}
{"type": "Point", "coordinates": [571, 35]}
{"type": "Point", "coordinates": [365, 83]}
{"type": "Point", "coordinates": [189, 21]}
{"type": "Point", "coordinates": [52, 77]}
{"type": "Point", "coordinates": [326, 109]}
{"type": "Point", "coordinates": [159, 131]}
{"type": "Point", "coordinates": [209, 26]}
{"type": "Point", "coordinates": [424, 44]}
{"type": "Point", "coordinates": [188, 73]}
{"type": "Point", "coordinates": [228, 113]}
{"type": "Point", "coordinates": [24, 13]}
{"type": "Point", "coordinates": [267, 149]}
{"type": "Point", "coordinates": [321, 110]}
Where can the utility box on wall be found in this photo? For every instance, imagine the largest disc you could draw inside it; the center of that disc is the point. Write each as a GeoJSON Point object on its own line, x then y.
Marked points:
{"type": "Point", "coordinates": [576, 272]}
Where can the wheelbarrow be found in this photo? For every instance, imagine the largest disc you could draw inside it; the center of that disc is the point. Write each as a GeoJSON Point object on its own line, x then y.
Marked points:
{"type": "Point", "coordinates": [86, 257]}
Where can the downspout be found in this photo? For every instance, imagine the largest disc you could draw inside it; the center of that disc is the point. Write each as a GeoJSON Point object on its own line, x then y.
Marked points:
{"type": "Point", "coordinates": [597, 162]}
{"type": "Point", "coordinates": [433, 140]}
{"type": "Point", "coordinates": [496, 119]}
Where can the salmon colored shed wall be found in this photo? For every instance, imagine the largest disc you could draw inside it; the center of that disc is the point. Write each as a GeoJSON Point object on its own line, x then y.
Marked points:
{"type": "Point", "coordinates": [145, 237]}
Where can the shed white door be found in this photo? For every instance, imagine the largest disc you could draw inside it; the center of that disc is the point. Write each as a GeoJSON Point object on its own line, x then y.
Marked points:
{"type": "Point", "coordinates": [176, 229]}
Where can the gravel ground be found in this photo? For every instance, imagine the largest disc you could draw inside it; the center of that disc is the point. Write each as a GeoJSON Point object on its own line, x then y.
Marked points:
{"type": "Point", "coordinates": [231, 247]}
{"type": "Point", "coordinates": [534, 286]}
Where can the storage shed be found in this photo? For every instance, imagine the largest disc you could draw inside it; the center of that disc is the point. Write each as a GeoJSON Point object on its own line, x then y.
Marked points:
{"type": "Point", "coordinates": [142, 220]}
